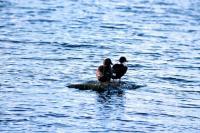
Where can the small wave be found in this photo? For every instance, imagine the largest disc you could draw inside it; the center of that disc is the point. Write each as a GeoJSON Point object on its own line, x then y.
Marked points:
{"type": "Point", "coordinates": [135, 9]}
{"type": "Point", "coordinates": [148, 53]}
{"type": "Point", "coordinates": [112, 27]}
{"type": "Point", "coordinates": [124, 120]}
{"type": "Point", "coordinates": [5, 4]}
{"type": "Point", "coordinates": [74, 58]}
{"type": "Point", "coordinates": [137, 66]}
{"type": "Point", "coordinates": [24, 41]}
{"type": "Point", "coordinates": [21, 109]}
{"type": "Point", "coordinates": [6, 86]}
{"type": "Point", "coordinates": [192, 91]}
{"type": "Point", "coordinates": [176, 79]}
{"type": "Point", "coordinates": [190, 31]}
{"type": "Point", "coordinates": [125, 8]}
{"type": "Point", "coordinates": [45, 11]}
{"type": "Point", "coordinates": [76, 45]}
{"type": "Point", "coordinates": [153, 36]}
{"type": "Point", "coordinates": [57, 115]}
{"type": "Point", "coordinates": [1, 26]}
{"type": "Point", "coordinates": [43, 21]}
{"type": "Point", "coordinates": [55, 124]}
{"type": "Point", "coordinates": [10, 41]}
{"type": "Point", "coordinates": [66, 45]}
{"type": "Point", "coordinates": [13, 120]}
{"type": "Point", "coordinates": [197, 58]}
{"type": "Point", "coordinates": [49, 79]}
{"type": "Point", "coordinates": [168, 115]}
{"type": "Point", "coordinates": [164, 3]}
{"type": "Point", "coordinates": [142, 114]}
{"type": "Point", "coordinates": [188, 67]}
{"type": "Point", "coordinates": [44, 59]}
{"type": "Point", "coordinates": [170, 24]}
{"type": "Point", "coordinates": [189, 106]}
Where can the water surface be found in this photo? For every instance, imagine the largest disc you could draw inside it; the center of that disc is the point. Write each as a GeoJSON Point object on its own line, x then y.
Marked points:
{"type": "Point", "coordinates": [47, 44]}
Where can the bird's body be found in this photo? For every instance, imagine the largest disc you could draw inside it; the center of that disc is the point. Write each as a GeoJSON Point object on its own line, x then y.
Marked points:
{"type": "Point", "coordinates": [104, 72]}
{"type": "Point", "coordinates": [119, 70]}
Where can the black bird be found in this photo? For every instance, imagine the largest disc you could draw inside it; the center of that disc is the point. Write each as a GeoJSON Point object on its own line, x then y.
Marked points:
{"type": "Point", "coordinates": [119, 69]}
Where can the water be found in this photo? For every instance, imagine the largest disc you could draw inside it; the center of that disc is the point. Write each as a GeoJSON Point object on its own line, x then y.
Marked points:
{"type": "Point", "coordinates": [46, 45]}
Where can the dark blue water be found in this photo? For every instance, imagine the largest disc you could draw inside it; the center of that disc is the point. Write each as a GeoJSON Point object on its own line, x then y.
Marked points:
{"type": "Point", "coordinates": [46, 45]}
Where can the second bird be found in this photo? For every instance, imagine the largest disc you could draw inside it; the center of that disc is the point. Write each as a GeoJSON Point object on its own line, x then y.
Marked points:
{"type": "Point", "coordinates": [119, 69]}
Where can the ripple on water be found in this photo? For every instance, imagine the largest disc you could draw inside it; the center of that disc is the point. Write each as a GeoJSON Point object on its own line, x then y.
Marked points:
{"type": "Point", "coordinates": [177, 79]}
{"type": "Point", "coordinates": [46, 45]}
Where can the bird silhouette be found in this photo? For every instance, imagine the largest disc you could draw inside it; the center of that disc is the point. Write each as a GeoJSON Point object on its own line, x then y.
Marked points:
{"type": "Point", "coordinates": [119, 69]}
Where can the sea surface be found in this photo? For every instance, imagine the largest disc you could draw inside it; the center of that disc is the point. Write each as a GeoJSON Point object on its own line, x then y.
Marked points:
{"type": "Point", "coordinates": [45, 45]}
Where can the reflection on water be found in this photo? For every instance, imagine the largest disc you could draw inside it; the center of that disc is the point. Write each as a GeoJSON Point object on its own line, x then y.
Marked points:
{"type": "Point", "coordinates": [47, 45]}
{"type": "Point", "coordinates": [104, 97]}
{"type": "Point", "coordinates": [110, 108]}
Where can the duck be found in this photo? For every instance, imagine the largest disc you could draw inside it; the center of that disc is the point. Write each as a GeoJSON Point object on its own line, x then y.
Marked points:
{"type": "Point", "coordinates": [120, 68]}
{"type": "Point", "coordinates": [104, 72]}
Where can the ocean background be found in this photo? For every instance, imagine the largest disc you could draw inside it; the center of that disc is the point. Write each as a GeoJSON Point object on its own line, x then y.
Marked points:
{"type": "Point", "coordinates": [45, 45]}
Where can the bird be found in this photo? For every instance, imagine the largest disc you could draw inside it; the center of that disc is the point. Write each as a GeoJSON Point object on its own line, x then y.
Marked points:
{"type": "Point", "coordinates": [104, 72]}
{"type": "Point", "coordinates": [119, 69]}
